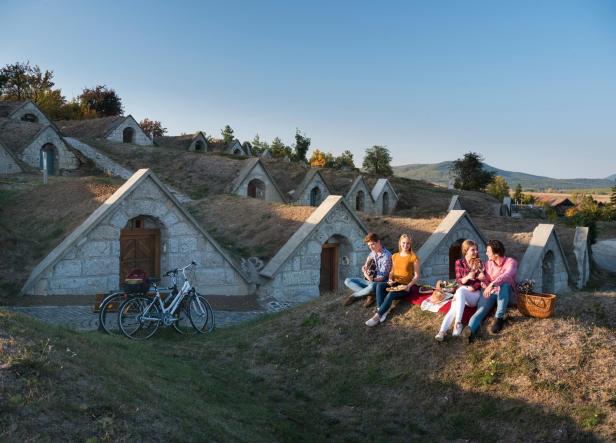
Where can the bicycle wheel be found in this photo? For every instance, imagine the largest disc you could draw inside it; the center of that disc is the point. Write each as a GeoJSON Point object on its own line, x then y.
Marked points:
{"type": "Point", "coordinates": [108, 313]}
{"type": "Point", "coordinates": [183, 324]}
{"type": "Point", "coordinates": [201, 314]}
{"type": "Point", "coordinates": [139, 318]}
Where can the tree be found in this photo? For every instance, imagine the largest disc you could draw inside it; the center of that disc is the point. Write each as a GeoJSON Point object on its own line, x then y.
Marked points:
{"type": "Point", "coordinates": [104, 101]}
{"type": "Point", "coordinates": [302, 144]}
{"type": "Point", "coordinates": [279, 149]}
{"type": "Point", "coordinates": [518, 195]}
{"type": "Point", "coordinates": [469, 173]}
{"type": "Point", "coordinates": [320, 159]}
{"type": "Point", "coordinates": [20, 81]}
{"type": "Point", "coordinates": [498, 188]}
{"type": "Point", "coordinates": [344, 160]}
{"type": "Point", "coordinates": [259, 146]}
{"type": "Point", "coordinates": [153, 128]}
{"type": "Point", "coordinates": [227, 134]}
{"type": "Point", "coordinates": [377, 161]}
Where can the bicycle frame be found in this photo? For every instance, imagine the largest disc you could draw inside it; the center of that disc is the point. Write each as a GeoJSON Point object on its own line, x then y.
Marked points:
{"type": "Point", "coordinates": [177, 299]}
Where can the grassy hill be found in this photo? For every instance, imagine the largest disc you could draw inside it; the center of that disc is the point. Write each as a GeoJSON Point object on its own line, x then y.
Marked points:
{"type": "Point", "coordinates": [439, 173]}
{"type": "Point", "coordinates": [317, 373]}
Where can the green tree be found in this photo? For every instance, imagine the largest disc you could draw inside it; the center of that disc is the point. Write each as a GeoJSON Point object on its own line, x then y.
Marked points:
{"type": "Point", "coordinates": [227, 134]}
{"type": "Point", "coordinates": [279, 149]}
{"type": "Point", "coordinates": [104, 101]}
{"type": "Point", "coordinates": [302, 144]}
{"type": "Point", "coordinates": [153, 128]}
{"type": "Point", "coordinates": [259, 146]}
{"type": "Point", "coordinates": [469, 173]}
{"type": "Point", "coordinates": [377, 161]}
{"type": "Point", "coordinates": [20, 81]}
{"type": "Point", "coordinates": [344, 160]}
{"type": "Point", "coordinates": [498, 188]}
{"type": "Point", "coordinates": [518, 195]}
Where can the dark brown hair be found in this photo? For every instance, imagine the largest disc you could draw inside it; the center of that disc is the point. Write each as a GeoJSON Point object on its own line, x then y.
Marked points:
{"type": "Point", "coordinates": [371, 237]}
{"type": "Point", "coordinates": [497, 247]}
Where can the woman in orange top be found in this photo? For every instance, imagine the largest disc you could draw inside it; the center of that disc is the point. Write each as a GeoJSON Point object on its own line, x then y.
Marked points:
{"type": "Point", "coordinates": [404, 271]}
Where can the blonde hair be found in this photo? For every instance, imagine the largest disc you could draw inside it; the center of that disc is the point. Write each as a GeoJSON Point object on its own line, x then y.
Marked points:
{"type": "Point", "coordinates": [405, 237]}
{"type": "Point", "coordinates": [466, 245]}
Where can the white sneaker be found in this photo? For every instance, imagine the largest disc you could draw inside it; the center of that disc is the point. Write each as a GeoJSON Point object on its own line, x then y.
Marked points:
{"type": "Point", "coordinates": [440, 336]}
{"type": "Point", "coordinates": [383, 317]}
{"type": "Point", "coordinates": [457, 329]}
{"type": "Point", "coordinates": [375, 320]}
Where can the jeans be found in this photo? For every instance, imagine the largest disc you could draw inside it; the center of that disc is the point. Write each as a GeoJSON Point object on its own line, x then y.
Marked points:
{"type": "Point", "coordinates": [485, 304]}
{"type": "Point", "coordinates": [360, 286]}
{"type": "Point", "coordinates": [384, 298]}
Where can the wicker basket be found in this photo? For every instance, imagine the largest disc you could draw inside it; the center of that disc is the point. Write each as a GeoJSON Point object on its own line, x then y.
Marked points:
{"type": "Point", "coordinates": [537, 305]}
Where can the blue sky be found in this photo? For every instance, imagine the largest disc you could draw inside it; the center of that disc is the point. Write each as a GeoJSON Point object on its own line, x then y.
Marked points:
{"type": "Point", "coordinates": [530, 85]}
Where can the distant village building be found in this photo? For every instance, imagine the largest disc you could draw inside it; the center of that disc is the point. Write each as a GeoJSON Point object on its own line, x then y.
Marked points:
{"type": "Point", "coordinates": [118, 129]}
{"type": "Point", "coordinates": [560, 204]}
{"type": "Point", "coordinates": [31, 142]}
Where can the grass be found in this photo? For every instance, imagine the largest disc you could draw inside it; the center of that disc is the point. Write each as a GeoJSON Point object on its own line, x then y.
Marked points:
{"type": "Point", "coordinates": [316, 373]}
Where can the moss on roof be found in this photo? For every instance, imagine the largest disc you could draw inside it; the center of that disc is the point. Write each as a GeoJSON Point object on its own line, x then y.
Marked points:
{"type": "Point", "coordinates": [288, 175]}
{"type": "Point", "coordinates": [90, 128]}
{"type": "Point", "coordinates": [261, 234]}
{"type": "Point", "coordinates": [16, 135]}
{"type": "Point", "coordinates": [35, 218]}
{"type": "Point", "coordinates": [175, 141]}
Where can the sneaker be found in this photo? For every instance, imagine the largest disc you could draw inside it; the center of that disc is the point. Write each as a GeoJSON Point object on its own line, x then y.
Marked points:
{"type": "Point", "coordinates": [457, 329]}
{"type": "Point", "coordinates": [349, 300]}
{"type": "Point", "coordinates": [383, 317]}
{"type": "Point", "coordinates": [375, 320]}
{"type": "Point", "coordinates": [497, 326]}
{"type": "Point", "coordinates": [440, 336]}
{"type": "Point", "coordinates": [369, 301]}
{"type": "Point", "coordinates": [468, 335]}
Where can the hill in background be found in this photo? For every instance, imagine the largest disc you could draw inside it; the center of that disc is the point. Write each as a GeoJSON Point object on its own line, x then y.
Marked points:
{"type": "Point", "coordinates": [439, 173]}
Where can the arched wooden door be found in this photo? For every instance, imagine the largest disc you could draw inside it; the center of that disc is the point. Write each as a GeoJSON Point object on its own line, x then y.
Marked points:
{"type": "Point", "coordinates": [329, 268]}
{"type": "Point", "coordinates": [139, 249]}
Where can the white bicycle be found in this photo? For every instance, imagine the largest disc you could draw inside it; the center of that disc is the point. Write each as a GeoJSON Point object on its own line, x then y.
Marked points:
{"type": "Point", "coordinates": [187, 311]}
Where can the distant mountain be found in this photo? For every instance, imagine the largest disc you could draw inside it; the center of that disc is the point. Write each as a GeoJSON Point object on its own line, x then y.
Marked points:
{"type": "Point", "coordinates": [439, 173]}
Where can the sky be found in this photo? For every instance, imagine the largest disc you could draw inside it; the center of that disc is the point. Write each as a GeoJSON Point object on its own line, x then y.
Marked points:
{"type": "Point", "coordinates": [529, 85]}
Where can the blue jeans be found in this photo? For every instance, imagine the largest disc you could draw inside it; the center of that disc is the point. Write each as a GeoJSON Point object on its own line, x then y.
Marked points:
{"type": "Point", "coordinates": [360, 286]}
{"type": "Point", "coordinates": [384, 298]}
{"type": "Point", "coordinates": [485, 304]}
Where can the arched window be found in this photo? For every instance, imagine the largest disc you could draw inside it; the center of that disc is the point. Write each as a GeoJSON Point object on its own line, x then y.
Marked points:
{"type": "Point", "coordinates": [48, 150]}
{"type": "Point", "coordinates": [315, 196]}
{"type": "Point", "coordinates": [128, 135]}
{"type": "Point", "coordinates": [29, 118]}
{"type": "Point", "coordinates": [256, 189]}
{"type": "Point", "coordinates": [237, 151]}
{"type": "Point", "coordinates": [199, 145]}
{"type": "Point", "coordinates": [359, 201]}
{"type": "Point", "coordinates": [385, 203]}
{"type": "Point", "coordinates": [455, 252]}
{"type": "Point", "coordinates": [547, 273]}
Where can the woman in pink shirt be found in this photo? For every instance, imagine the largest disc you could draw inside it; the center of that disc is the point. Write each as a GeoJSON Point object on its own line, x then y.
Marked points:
{"type": "Point", "coordinates": [498, 286]}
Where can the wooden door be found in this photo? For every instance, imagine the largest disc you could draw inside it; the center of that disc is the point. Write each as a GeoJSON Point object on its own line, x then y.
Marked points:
{"type": "Point", "coordinates": [140, 249]}
{"type": "Point", "coordinates": [455, 252]}
{"type": "Point", "coordinates": [329, 268]}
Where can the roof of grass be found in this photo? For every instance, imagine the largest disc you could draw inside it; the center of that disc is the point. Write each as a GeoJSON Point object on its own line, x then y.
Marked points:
{"type": "Point", "coordinates": [16, 135]}
{"type": "Point", "coordinates": [262, 234]}
{"type": "Point", "coordinates": [35, 218]}
{"type": "Point", "coordinates": [89, 128]}
{"type": "Point", "coordinates": [390, 227]}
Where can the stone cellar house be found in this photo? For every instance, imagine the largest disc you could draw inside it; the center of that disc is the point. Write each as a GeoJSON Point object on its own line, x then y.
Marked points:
{"type": "Point", "coordinates": [140, 226]}
{"type": "Point", "coordinates": [118, 129]}
{"type": "Point", "coordinates": [30, 142]}
{"type": "Point", "coordinates": [25, 110]}
{"type": "Point", "coordinates": [234, 147]}
{"type": "Point", "coordinates": [254, 180]}
{"type": "Point", "coordinates": [384, 197]}
{"type": "Point", "coordinates": [196, 142]}
{"type": "Point", "coordinates": [312, 190]}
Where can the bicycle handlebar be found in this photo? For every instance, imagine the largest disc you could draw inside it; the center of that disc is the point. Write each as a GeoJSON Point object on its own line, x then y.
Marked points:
{"type": "Point", "coordinates": [175, 271]}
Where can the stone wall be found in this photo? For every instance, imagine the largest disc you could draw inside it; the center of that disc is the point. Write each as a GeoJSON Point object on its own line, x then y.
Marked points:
{"type": "Point", "coordinates": [91, 264]}
{"type": "Point", "coordinates": [436, 265]}
{"type": "Point", "coordinates": [64, 158]}
{"type": "Point", "coordinates": [271, 193]}
{"type": "Point", "coordinates": [140, 138]}
{"type": "Point", "coordinates": [580, 249]}
{"type": "Point", "coordinates": [8, 165]}
{"type": "Point", "coordinates": [368, 202]}
{"type": "Point", "coordinates": [304, 198]}
{"type": "Point", "coordinates": [298, 279]}
{"type": "Point", "coordinates": [30, 108]}
{"type": "Point", "coordinates": [560, 275]}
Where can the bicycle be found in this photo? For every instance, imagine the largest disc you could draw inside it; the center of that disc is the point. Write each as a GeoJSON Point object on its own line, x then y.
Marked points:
{"type": "Point", "coordinates": [140, 317]}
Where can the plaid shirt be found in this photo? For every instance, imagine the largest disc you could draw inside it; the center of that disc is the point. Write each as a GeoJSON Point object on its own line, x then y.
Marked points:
{"type": "Point", "coordinates": [462, 270]}
{"type": "Point", "coordinates": [383, 264]}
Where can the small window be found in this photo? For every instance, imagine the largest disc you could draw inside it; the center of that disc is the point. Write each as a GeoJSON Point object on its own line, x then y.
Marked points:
{"type": "Point", "coordinates": [29, 118]}
{"type": "Point", "coordinates": [359, 201]}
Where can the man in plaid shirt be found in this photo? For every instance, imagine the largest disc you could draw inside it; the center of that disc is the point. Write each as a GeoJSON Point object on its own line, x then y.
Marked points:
{"type": "Point", "coordinates": [366, 286]}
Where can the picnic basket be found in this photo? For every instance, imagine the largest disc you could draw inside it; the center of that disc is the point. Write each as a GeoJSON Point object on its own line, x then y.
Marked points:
{"type": "Point", "coordinates": [536, 304]}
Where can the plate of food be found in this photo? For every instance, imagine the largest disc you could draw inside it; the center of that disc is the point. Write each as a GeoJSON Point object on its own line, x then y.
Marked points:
{"type": "Point", "coordinates": [395, 287]}
{"type": "Point", "coordinates": [425, 289]}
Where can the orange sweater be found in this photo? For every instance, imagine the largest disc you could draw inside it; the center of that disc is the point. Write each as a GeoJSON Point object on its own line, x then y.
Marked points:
{"type": "Point", "coordinates": [403, 267]}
